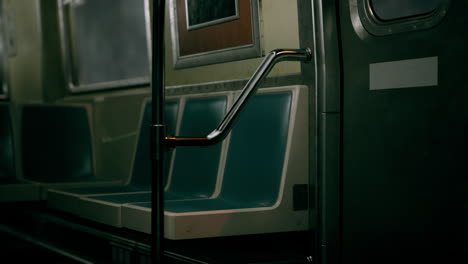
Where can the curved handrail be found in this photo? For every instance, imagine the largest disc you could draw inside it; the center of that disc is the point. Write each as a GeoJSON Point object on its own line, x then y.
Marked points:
{"type": "Point", "coordinates": [225, 126]}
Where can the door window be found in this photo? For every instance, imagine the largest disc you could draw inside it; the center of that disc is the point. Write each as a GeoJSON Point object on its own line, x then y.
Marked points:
{"type": "Point", "coordinates": [387, 17]}
{"type": "Point", "coordinates": [386, 10]}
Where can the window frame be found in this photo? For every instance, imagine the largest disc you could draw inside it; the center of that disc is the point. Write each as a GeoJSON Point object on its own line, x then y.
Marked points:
{"type": "Point", "coordinates": [230, 54]}
{"type": "Point", "coordinates": [70, 69]}
{"type": "Point", "coordinates": [362, 10]}
{"type": "Point", "coordinates": [5, 50]}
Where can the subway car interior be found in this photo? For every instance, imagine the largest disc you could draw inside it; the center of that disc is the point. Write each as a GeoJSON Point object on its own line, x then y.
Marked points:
{"type": "Point", "coordinates": [233, 131]}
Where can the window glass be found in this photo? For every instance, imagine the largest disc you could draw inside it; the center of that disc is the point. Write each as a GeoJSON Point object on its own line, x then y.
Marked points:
{"type": "Point", "coordinates": [3, 81]}
{"type": "Point", "coordinates": [108, 41]}
{"type": "Point", "coordinates": [210, 12]}
{"type": "Point", "coordinates": [3, 58]}
{"type": "Point", "coordinates": [396, 9]}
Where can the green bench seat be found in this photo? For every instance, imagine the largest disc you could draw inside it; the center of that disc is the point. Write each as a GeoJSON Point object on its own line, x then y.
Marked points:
{"type": "Point", "coordinates": [200, 115]}
{"type": "Point", "coordinates": [67, 199]}
{"type": "Point", "coordinates": [12, 187]}
{"type": "Point", "coordinates": [266, 158]}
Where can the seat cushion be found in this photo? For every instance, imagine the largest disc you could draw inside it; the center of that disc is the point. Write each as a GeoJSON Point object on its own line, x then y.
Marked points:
{"type": "Point", "coordinates": [123, 198]}
{"type": "Point", "coordinates": [195, 170]}
{"type": "Point", "coordinates": [57, 145]}
{"type": "Point", "coordinates": [256, 155]}
{"type": "Point", "coordinates": [105, 189]}
{"type": "Point", "coordinates": [7, 161]}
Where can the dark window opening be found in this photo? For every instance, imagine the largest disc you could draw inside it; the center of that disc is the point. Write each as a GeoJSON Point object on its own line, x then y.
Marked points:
{"type": "Point", "coordinates": [108, 41]}
{"type": "Point", "coordinates": [387, 10]}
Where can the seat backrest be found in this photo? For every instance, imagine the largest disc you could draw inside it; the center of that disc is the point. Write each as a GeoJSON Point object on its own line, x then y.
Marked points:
{"type": "Point", "coordinates": [255, 159]}
{"type": "Point", "coordinates": [56, 143]}
{"type": "Point", "coordinates": [7, 160]}
{"type": "Point", "coordinates": [195, 169]}
{"type": "Point", "coordinates": [141, 173]}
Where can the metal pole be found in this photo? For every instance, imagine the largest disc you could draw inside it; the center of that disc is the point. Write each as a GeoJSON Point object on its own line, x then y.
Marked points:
{"type": "Point", "coordinates": [157, 133]}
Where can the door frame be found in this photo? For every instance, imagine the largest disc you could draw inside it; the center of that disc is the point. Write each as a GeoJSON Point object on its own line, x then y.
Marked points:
{"type": "Point", "coordinates": [318, 29]}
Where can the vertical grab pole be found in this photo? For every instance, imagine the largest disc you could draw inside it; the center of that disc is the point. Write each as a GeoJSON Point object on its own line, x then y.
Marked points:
{"type": "Point", "coordinates": [157, 133]}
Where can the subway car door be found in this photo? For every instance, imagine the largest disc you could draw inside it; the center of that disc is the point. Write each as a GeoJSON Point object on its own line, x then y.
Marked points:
{"type": "Point", "coordinates": [404, 130]}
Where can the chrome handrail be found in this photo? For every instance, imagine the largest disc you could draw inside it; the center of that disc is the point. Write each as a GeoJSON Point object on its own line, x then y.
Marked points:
{"type": "Point", "coordinates": [225, 126]}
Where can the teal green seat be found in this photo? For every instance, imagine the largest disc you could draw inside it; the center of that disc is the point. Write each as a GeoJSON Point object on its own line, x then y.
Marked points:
{"type": "Point", "coordinates": [256, 154]}
{"type": "Point", "coordinates": [141, 174]}
{"type": "Point", "coordinates": [266, 158]}
{"type": "Point", "coordinates": [7, 160]}
{"type": "Point", "coordinates": [200, 116]}
{"type": "Point", "coordinates": [140, 179]}
{"type": "Point", "coordinates": [171, 110]}
{"type": "Point", "coordinates": [56, 144]}
{"type": "Point", "coordinates": [12, 187]}
{"type": "Point", "coordinates": [195, 169]}
{"type": "Point", "coordinates": [124, 198]}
